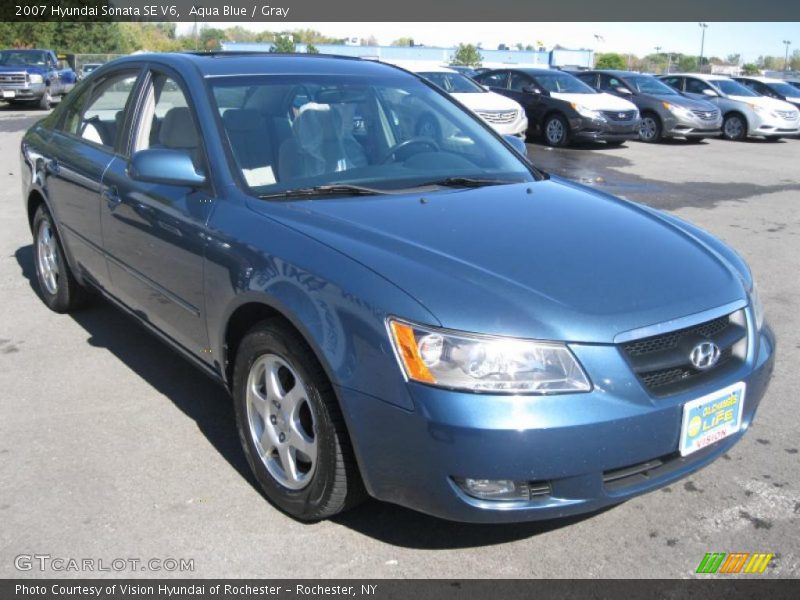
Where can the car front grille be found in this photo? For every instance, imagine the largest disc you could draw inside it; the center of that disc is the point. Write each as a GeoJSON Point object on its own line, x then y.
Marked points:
{"type": "Point", "coordinates": [706, 115]}
{"type": "Point", "coordinates": [789, 115]}
{"type": "Point", "coordinates": [15, 78]}
{"type": "Point", "coordinates": [498, 117]}
{"type": "Point", "coordinates": [620, 115]}
{"type": "Point", "coordinates": [663, 364]}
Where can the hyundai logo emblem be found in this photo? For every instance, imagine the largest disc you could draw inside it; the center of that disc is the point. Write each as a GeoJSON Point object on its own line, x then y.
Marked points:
{"type": "Point", "coordinates": [705, 355]}
{"type": "Point", "coordinates": [621, 115]}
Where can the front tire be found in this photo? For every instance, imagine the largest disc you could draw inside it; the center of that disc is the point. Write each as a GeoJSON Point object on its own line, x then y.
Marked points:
{"type": "Point", "coordinates": [46, 101]}
{"type": "Point", "coordinates": [58, 287]}
{"type": "Point", "coordinates": [650, 129]}
{"type": "Point", "coordinates": [734, 128]}
{"type": "Point", "coordinates": [291, 427]}
{"type": "Point", "coordinates": [556, 131]}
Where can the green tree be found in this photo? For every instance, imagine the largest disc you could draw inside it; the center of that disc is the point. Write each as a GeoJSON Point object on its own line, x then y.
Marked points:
{"type": "Point", "coordinates": [403, 41]}
{"type": "Point", "coordinates": [609, 60]}
{"type": "Point", "coordinates": [467, 55]}
{"type": "Point", "coordinates": [284, 44]}
{"type": "Point", "coordinates": [794, 60]}
{"type": "Point", "coordinates": [687, 63]}
{"type": "Point", "coordinates": [733, 59]}
{"type": "Point", "coordinates": [311, 49]}
{"type": "Point", "coordinates": [750, 69]}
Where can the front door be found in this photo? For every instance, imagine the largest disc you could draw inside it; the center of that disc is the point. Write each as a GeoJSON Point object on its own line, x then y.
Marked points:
{"type": "Point", "coordinates": [155, 233]}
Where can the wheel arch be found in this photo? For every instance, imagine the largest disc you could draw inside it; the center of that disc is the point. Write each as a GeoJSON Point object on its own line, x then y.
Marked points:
{"type": "Point", "coordinates": [244, 316]}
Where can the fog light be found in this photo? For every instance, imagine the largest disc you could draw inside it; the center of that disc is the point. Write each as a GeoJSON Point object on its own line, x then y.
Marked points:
{"type": "Point", "coordinates": [495, 489]}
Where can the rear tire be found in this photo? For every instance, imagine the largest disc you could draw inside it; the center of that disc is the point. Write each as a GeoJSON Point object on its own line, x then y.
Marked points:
{"type": "Point", "coordinates": [556, 131]}
{"type": "Point", "coordinates": [291, 427]}
{"type": "Point", "coordinates": [58, 287]}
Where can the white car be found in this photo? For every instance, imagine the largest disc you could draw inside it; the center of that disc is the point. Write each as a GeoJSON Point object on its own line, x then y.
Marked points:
{"type": "Point", "coordinates": [503, 114]}
{"type": "Point", "coordinates": [745, 113]}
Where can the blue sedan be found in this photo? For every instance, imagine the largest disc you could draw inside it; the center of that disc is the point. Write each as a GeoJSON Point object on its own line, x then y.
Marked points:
{"type": "Point", "coordinates": [429, 320]}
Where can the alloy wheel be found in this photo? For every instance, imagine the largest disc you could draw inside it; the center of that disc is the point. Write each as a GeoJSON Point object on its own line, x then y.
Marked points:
{"type": "Point", "coordinates": [281, 421]}
{"type": "Point", "coordinates": [734, 128]}
{"type": "Point", "coordinates": [648, 128]}
{"type": "Point", "coordinates": [554, 131]}
{"type": "Point", "coordinates": [47, 263]}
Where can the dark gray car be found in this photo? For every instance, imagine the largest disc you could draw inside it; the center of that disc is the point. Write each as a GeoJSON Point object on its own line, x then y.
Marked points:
{"type": "Point", "coordinates": [665, 111]}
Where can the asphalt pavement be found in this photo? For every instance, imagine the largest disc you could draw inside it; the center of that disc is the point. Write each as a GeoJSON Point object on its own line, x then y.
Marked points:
{"type": "Point", "coordinates": [113, 447]}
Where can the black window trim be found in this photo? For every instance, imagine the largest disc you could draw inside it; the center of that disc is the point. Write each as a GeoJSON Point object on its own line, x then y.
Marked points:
{"type": "Point", "coordinates": [149, 69]}
{"type": "Point", "coordinates": [118, 148]}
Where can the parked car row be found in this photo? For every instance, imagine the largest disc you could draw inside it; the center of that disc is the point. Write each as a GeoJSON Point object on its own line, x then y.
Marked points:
{"type": "Point", "coordinates": [615, 106]}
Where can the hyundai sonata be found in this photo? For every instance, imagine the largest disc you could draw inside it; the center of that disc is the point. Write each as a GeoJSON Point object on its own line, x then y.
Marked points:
{"type": "Point", "coordinates": [429, 320]}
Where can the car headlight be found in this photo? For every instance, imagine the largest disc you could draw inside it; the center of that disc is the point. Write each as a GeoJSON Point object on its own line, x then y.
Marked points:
{"type": "Point", "coordinates": [676, 110]}
{"type": "Point", "coordinates": [587, 112]}
{"type": "Point", "coordinates": [758, 308]}
{"type": "Point", "coordinates": [478, 363]}
{"type": "Point", "coordinates": [35, 78]}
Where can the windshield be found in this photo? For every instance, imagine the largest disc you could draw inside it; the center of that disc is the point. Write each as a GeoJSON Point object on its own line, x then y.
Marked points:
{"type": "Point", "coordinates": [733, 88]}
{"type": "Point", "coordinates": [453, 83]}
{"type": "Point", "coordinates": [23, 58]}
{"type": "Point", "coordinates": [390, 133]}
{"type": "Point", "coordinates": [646, 84]}
{"type": "Point", "coordinates": [784, 89]}
{"type": "Point", "coordinates": [563, 83]}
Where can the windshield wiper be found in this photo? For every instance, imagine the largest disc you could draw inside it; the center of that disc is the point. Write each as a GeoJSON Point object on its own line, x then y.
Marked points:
{"type": "Point", "coordinates": [322, 190]}
{"type": "Point", "coordinates": [472, 182]}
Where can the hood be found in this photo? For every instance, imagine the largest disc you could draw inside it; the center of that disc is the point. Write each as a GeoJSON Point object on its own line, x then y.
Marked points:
{"type": "Point", "coordinates": [560, 263]}
{"type": "Point", "coordinates": [680, 100]}
{"type": "Point", "coordinates": [770, 103]}
{"type": "Point", "coordinates": [487, 101]}
{"type": "Point", "coordinates": [23, 69]}
{"type": "Point", "coordinates": [601, 101]}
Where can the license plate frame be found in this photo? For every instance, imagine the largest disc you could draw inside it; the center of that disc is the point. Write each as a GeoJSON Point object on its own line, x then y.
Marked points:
{"type": "Point", "coordinates": [712, 417]}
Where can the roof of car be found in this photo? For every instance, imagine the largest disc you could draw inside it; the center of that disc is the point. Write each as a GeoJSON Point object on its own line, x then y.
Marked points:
{"type": "Point", "coordinates": [706, 76]}
{"type": "Point", "coordinates": [761, 79]}
{"type": "Point", "coordinates": [213, 64]}
{"type": "Point", "coordinates": [420, 66]}
{"type": "Point", "coordinates": [528, 70]}
{"type": "Point", "coordinates": [617, 72]}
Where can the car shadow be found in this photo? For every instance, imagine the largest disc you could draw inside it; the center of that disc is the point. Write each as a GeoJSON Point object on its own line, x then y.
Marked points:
{"type": "Point", "coordinates": [209, 405]}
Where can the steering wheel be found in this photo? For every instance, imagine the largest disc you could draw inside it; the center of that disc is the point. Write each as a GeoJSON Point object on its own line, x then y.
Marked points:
{"type": "Point", "coordinates": [414, 141]}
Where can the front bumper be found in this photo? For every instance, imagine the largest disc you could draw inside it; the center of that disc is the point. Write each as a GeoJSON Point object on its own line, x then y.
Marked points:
{"type": "Point", "coordinates": [611, 131]}
{"type": "Point", "coordinates": [678, 126]}
{"type": "Point", "coordinates": [32, 91]}
{"type": "Point", "coordinates": [573, 442]}
{"type": "Point", "coordinates": [773, 126]}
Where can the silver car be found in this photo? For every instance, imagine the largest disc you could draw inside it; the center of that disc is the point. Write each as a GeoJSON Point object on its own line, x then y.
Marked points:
{"type": "Point", "coordinates": [745, 113]}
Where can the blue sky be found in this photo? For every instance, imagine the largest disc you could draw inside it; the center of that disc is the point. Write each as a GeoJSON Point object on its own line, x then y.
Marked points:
{"type": "Point", "coordinates": [748, 39]}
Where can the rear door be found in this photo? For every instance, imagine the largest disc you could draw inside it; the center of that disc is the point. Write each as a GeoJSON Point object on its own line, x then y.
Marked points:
{"type": "Point", "coordinates": [155, 233]}
{"type": "Point", "coordinates": [85, 141]}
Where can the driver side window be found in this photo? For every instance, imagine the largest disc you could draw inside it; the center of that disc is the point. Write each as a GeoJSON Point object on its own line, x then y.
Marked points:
{"type": "Point", "coordinates": [519, 82]}
{"type": "Point", "coordinates": [695, 86]}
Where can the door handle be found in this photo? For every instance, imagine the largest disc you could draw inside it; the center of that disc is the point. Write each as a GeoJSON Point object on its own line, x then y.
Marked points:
{"type": "Point", "coordinates": [112, 197]}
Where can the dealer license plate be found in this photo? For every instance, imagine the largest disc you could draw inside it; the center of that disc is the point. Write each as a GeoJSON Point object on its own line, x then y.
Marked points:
{"type": "Point", "coordinates": [709, 419]}
{"type": "Point", "coordinates": [9, 94]}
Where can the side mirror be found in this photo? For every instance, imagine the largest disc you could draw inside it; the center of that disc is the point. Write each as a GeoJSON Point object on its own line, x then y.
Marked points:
{"type": "Point", "coordinates": [623, 90]}
{"type": "Point", "coordinates": [517, 144]}
{"type": "Point", "coordinates": [710, 93]}
{"type": "Point", "coordinates": [165, 166]}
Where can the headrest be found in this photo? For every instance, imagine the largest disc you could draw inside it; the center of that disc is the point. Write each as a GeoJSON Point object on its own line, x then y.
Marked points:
{"type": "Point", "coordinates": [178, 129]}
